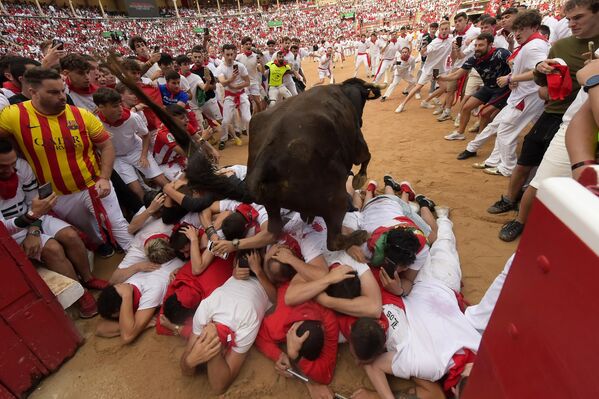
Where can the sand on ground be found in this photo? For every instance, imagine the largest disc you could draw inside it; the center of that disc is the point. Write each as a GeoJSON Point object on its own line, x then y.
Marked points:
{"type": "Point", "coordinates": [411, 147]}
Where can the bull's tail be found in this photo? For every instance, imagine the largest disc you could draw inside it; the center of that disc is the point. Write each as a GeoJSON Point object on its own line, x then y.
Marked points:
{"type": "Point", "coordinates": [201, 176]}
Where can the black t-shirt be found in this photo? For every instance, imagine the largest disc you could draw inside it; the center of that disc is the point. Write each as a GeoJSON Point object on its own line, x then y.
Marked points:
{"type": "Point", "coordinates": [490, 68]}
{"type": "Point", "coordinates": [200, 71]}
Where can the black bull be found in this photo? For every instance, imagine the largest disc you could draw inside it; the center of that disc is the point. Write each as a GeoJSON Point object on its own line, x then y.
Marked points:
{"type": "Point", "coordinates": [300, 154]}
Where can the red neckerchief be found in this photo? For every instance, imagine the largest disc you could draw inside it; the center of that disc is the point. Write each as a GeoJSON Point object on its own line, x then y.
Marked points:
{"type": "Point", "coordinates": [443, 38]}
{"type": "Point", "coordinates": [283, 63]}
{"type": "Point", "coordinates": [534, 36]}
{"type": "Point", "coordinates": [284, 51]}
{"type": "Point", "coordinates": [125, 115]}
{"type": "Point", "coordinates": [12, 87]}
{"type": "Point", "coordinates": [462, 33]}
{"type": "Point", "coordinates": [248, 53]}
{"type": "Point", "coordinates": [142, 58]}
{"type": "Point", "coordinates": [8, 187]}
{"type": "Point", "coordinates": [293, 245]}
{"type": "Point", "coordinates": [225, 335]}
{"type": "Point", "coordinates": [559, 84]}
{"type": "Point", "coordinates": [91, 89]}
{"type": "Point", "coordinates": [393, 41]}
{"type": "Point", "coordinates": [186, 74]}
{"type": "Point", "coordinates": [405, 59]}
{"type": "Point", "coordinates": [486, 56]}
{"type": "Point", "coordinates": [250, 214]}
{"type": "Point", "coordinates": [403, 35]}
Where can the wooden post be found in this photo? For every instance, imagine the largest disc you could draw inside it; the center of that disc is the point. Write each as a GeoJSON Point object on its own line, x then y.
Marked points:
{"type": "Point", "coordinates": [2, 9]}
{"type": "Point", "coordinates": [238, 7]}
{"type": "Point", "coordinates": [39, 7]}
{"type": "Point", "coordinates": [198, 5]}
{"type": "Point", "coordinates": [102, 8]}
{"type": "Point", "coordinates": [176, 9]}
{"type": "Point", "coordinates": [218, 5]}
{"type": "Point", "coordinates": [258, 2]}
{"type": "Point", "coordinates": [72, 8]}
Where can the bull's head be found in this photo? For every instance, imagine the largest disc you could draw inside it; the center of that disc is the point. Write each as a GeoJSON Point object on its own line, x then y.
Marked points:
{"type": "Point", "coordinates": [359, 91]}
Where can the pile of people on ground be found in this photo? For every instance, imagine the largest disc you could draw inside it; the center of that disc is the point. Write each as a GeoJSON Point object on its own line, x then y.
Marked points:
{"type": "Point", "coordinates": [209, 271]}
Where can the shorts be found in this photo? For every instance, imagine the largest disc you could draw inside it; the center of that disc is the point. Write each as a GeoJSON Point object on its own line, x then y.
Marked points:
{"type": "Point", "coordinates": [382, 209]}
{"type": "Point", "coordinates": [473, 84]}
{"type": "Point", "coordinates": [538, 139]}
{"type": "Point", "coordinates": [50, 227]}
{"type": "Point", "coordinates": [254, 89]}
{"type": "Point", "coordinates": [323, 73]}
{"type": "Point", "coordinates": [495, 97]}
{"type": "Point", "coordinates": [172, 171]}
{"type": "Point", "coordinates": [556, 162]}
{"type": "Point", "coordinates": [126, 165]}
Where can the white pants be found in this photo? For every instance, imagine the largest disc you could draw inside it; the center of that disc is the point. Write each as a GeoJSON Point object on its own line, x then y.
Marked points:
{"type": "Point", "coordinates": [212, 110]}
{"type": "Point", "coordinates": [396, 80]}
{"type": "Point", "coordinates": [479, 315]}
{"type": "Point", "coordinates": [361, 59]}
{"type": "Point", "coordinates": [374, 63]}
{"type": "Point", "coordinates": [229, 111]}
{"type": "Point", "coordinates": [289, 83]}
{"type": "Point", "coordinates": [77, 209]}
{"type": "Point", "coordinates": [556, 161]}
{"type": "Point", "coordinates": [384, 65]}
{"type": "Point", "coordinates": [508, 124]}
{"type": "Point", "coordinates": [276, 93]}
{"type": "Point", "coordinates": [444, 264]}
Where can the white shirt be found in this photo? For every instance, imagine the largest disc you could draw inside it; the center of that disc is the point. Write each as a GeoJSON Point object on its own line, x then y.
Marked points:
{"type": "Point", "coordinates": [436, 54]}
{"type": "Point", "coordinates": [362, 47]}
{"type": "Point", "coordinates": [501, 42]}
{"type": "Point", "coordinates": [194, 81]}
{"type": "Point", "coordinates": [239, 305]}
{"type": "Point", "coordinates": [529, 56]}
{"type": "Point", "coordinates": [404, 42]}
{"type": "Point", "coordinates": [467, 45]}
{"type": "Point", "coordinates": [406, 67]}
{"type": "Point", "coordinates": [225, 71]}
{"type": "Point", "coordinates": [82, 100]}
{"type": "Point", "coordinates": [3, 101]}
{"type": "Point", "coordinates": [343, 258]}
{"type": "Point", "coordinates": [126, 138]}
{"type": "Point", "coordinates": [152, 285]}
{"type": "Point", "coordinates": [151, 226]}
{"type": "Point", "coordinates": [153, 69]}
{"type": "Point", "coordinates": [251, 64]}
{"type": "Point", "coordinates": [26, 190]}
{"type": "Point", "coordinates": [325, 63]}
{"type": "Point", "coordinates": [390, 50]}
{"type": "Point", "coordinates": [560, 31]}
{"type": "Point", "coordinates": [429, 333]}
{"type": "Point", "coordinates": [312, 238]}
{"type": "Point", "coordinates": [374, 47]}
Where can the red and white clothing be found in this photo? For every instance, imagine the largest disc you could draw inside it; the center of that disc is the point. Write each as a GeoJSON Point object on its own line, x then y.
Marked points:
{"type": "Point", "coordinates": [273, 332]}
{"type": "Point", "coordinates": [254, 214]}
{"type": "Point", "coordinates": [239, 305]}
{"type": "Point", "coordinates": [184, 84]}
{"type": "Point", "coordinates": [234, 99]}
{"type": "Point", "coordinates": [170, 162]}
{"type": "Point", "coordinates": [152, 285]}
{"type": "Point", "coordinates": [524, 106]}
{"type": "Point", "coordinates": [126, 134]}
{"type": "Point", "coordinates": [404, 71]}
{"type": "Point", "coordinates": [388, 54]}
{"type": "Point", "coordinates": [362, 55]}
{"type": "Point", "coordinates": [310, 238]}
{"type": "Point", "coordinates": [250, 60]}
{"type": "Point", "coordinates": [436, 58]}
{"type": "Point", "coordinates": [468, 37]}
{"type": "Point", "coordinates": [325, 66]}
{"type": "Point", "coordinates": [82, 98]}
{"type": "Point", "coordinates": [375, 54]}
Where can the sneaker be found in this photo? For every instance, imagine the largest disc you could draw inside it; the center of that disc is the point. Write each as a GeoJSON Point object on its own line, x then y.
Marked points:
{"type": "Point", "coordinates": [492, 171]}
{"type": "Point", "coordinates": [455, 135]}
{"type": "Point", "coordinates": [442, 211]}
{"type": "Point", "coordinates": [445, 116]}
{"type": "Point", "coordinates": [405, 92]}
{"type": "Point", "coordinates": [475, 128]}
{"type": "Point", "coordinates": [383, 99]}
{"type": "Point", "coordinates": [438, 111]}
{"type": "Point", "coordinates": [244, 132]}
{"type": "Point", "coordinates": [436, 101]}
{"type": "Point", "coordinates": [465, 155]}
{"type": "Point", "coordinates": [388, 179]}
{"type": "Point", "coordinates": [87, 306]}
{"type": "Point", "coordinates": [418, 96]}
{"type": "Point", "coordinates": [407, 188]}
{"type": "Point", "coordinates": [372, 186]}
{"type": "Point", "coordinates": [456, 122]}
{"type": "Point", "coordinates": [221, 145]}
{"type": "Point", "coordinates": [425, 202]}
{"type": "Point", "coordinates": [105, 250]}
{"type": "Point", "coordinates": [501, 206]}
{"type": "Point", "coordinates": [424, 104]}
{"type": "Point", "coordinates": [237, 140]}
{"type": "Point", "coordinates": [399, 109]}
{"type": "Point", "coordinates": [481, 165]}
{"type": "Point", "coordinates": [511, 230]}
{"type": "Point", "coordinates": [95, 284]}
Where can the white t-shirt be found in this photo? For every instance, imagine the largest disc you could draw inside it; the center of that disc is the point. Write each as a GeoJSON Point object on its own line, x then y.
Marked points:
{"type": "Point", "coordinates": [225, 71]}
{"type": "Point", "coordinates": [3, 101]}
{"type": "Point", "coordinates": [239, 305]}
{"type": "Point", "coordinates": [467, 45]}
{"type": "Point", "coordinates": [194, 81]}
{"type": "Point", "coordinates": [251, 64]}
{"type": "Point", "coordinates": [501, 42]}
{"type": "Point", "coordinates": [153, 69]}
{"type": "Point", "coordinates": [152, 285]}
{"type": "Point", "coordinates": [240, 171]}
{"type": "Point", "coordinates": [374, 47]}
{"type": "Point", "coordinates": [436, 54]}
{"type": "Point", "coordinates": [531, 54]}
{"type": "Point", "coordinates": [151, 226]}
{"type": "Point", "coordinates": [404, 42]}
{"type": "Point", "coordinates": [405, 67]}
{"type": "Point", "coordinates": [325, 63]}
{"type": "Point", "coordinates": [82, 100]}
{"type": "Point", "coordinates": [312, 238]}
{"type": "Point", "coordinates": [390, 51]}
{"type": "Point", "coordinates": [362, 47]}
{"type": "Point", "coordinates": [432, 330]}
{"type": "Point", "coordinates": [26, 190]}
{"type": "Point", "coordinates": [560, 31]}
{"type": "Point", "coordinates": [126, 138]}
{"type": "Point", "coordinates": [342, 257]}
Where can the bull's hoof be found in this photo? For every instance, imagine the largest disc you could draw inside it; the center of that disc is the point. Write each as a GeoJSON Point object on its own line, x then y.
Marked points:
{"type": "Point", "coordinates": [359, 181]}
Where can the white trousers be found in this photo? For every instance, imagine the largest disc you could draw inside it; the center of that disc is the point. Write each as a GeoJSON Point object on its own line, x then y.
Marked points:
{"type": "Point", "coordinates": [277, 93]}
{"type": "Point", "coordinates": [374, 63]}
{"type": "Point", "coordinates": [211, 109]}
{"type": "Point", "coordinates": [479, 315]}
{"type": "Point", "coordinates": [396, 80]}
{"type": "Point", "coordinates": [361, 59]}
{"type": "Point", "coordinates": [508, 124]}
{"type": "Point", "coordinates": [77, 209]}
{"type": "Point", "coordinates": [230, 109]}
{"type": "Point", "coordinates": [384, 66]}
{"type": "Point", "coordinates": [289, 83]}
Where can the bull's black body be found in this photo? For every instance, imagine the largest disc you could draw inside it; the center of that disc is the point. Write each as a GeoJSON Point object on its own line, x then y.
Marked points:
{"type": "Point", "coordinates": [300, 154]}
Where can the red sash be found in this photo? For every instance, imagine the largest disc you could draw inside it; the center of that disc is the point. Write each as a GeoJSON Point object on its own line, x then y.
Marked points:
{"type": "Point", "coordinates": [236, 97]}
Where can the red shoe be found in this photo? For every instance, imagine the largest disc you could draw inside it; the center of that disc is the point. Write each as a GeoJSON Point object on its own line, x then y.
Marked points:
{"type": "Point", "coordinates": [87, 306]}
{"type": "Point", "coordinates": [407, 188]}
{"type": "Point", "coordinates": [95, 284]}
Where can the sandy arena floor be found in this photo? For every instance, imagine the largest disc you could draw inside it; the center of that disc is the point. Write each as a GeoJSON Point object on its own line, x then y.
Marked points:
{"type": "Point", "coordinates": [410, 146]}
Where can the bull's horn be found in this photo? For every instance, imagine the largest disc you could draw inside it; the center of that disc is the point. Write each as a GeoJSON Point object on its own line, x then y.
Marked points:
{"type": "Point", "coordinates": [380, 86]}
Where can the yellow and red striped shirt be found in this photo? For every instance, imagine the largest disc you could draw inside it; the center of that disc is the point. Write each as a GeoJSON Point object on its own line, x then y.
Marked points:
{"type": "Point", "coordinates": [59, 148]}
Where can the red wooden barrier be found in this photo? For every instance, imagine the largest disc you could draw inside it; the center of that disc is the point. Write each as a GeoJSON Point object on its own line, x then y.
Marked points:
{"type": "Point", "coordinates": [541, 341]}
{"type": "Point", "coordinates": [36, 336]}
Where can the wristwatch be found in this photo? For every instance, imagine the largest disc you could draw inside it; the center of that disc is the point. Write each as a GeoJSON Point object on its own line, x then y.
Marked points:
{"type": "Point", "coordinates": [235, 243]}
{"type": "Point", "coordinates": [35, 233]}
{"type": "Point", "coordinates": [590, 83]}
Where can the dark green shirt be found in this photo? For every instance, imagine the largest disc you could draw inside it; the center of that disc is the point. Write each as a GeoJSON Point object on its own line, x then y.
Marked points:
{"type": "Point", "coordinates": [571, 50]}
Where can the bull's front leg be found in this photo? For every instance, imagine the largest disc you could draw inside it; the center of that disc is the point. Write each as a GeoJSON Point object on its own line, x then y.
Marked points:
{"type": "Point", "coordinates": [275, 222]}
